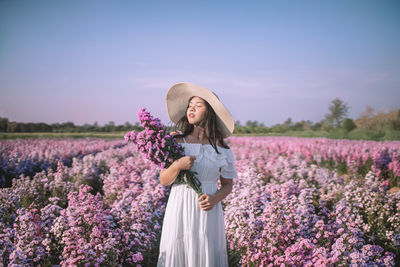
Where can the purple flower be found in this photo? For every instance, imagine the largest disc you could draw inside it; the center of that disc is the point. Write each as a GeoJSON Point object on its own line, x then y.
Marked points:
{"type": "Point", "coordinates": [155, 140]}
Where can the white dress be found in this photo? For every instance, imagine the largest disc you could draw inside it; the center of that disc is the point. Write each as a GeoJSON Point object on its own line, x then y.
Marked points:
{"type": "Point", "coordinates": [191, 236]}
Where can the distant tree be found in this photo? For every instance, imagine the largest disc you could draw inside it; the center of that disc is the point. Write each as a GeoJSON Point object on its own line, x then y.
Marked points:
{"type": "Point", "coordinates": [14, 127]}
{"type": "Point", "coordinates": [109, 127]}
{"type": "Point", "coordinates": [238, 127]}
{"type": "Point", "coordinates": [56, 127]}
{"type": "Point", "coordinates": [30, 127]}
{"type": "Point", "coordinates": [349, 125]}
{"type": "Point", "coordinates": [326, 125]}
{"type": "Point", "coordinates": [288, 123]}
{"type": "Point", "coordinates": [298, 126]}
{"type": "Point", "coordinates": [306, 124]}
{"type": "Point", "coordinates": [394, 124]}
{"type": "Point", "coordinates": [68, 126]}
{"type": "Point", "coordinates": [44, 127]}
{"type": "Point", "coordinates": [278, 128]}
{"type": "Point", "coordinates": [3, 124]}
{"type": "Point", "coordinates": [94, 127]}
{"type": "Point", "coordinates": [368, 112]}
{"type": "Point", "coordinates": [338, 110]}
{"type": "Point", "coordinates": [251, 124]}
{"type": "Point", "coordinates": [128, 125]}
{"type": "Point", "coordinates": [11, 126]}
{"type": "Point", "coordinates": [316, 126]}
{"type": "Point", "coordinates": [86, 127]}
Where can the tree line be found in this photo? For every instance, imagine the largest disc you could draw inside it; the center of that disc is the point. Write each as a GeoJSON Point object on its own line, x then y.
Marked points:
{"type": "Point", "coordinates": [66, 127]}
{"type": "Point", "coordinates": [334, 119]}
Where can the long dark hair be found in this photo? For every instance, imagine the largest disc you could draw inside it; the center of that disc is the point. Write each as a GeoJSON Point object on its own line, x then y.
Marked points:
{"type": "Point", "coordinates": [209, 122]}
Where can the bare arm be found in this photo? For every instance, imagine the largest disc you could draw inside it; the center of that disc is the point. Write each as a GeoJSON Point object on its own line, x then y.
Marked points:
{"type": "Point", "coordinates": [207, 202]}
{"type": "Point", "coordinates": [226, 189]}
{"type": "Point", "coordinates": [168, 175]}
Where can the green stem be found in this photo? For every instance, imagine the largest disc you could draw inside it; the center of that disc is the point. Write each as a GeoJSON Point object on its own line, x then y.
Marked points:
{"type": "Point", "coordinates": [189, 178]}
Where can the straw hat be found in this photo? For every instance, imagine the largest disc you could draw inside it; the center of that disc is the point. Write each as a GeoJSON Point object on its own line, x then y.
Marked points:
{"type": "Point", "coordinates": [177, 100]}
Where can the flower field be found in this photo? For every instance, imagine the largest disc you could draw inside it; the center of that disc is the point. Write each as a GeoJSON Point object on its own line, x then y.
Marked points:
{"type": "Point", "coordinates": [297, 202]}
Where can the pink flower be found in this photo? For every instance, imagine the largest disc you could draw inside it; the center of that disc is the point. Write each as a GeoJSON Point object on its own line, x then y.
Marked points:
{"type": "Point", "coordinates": [155, 140]}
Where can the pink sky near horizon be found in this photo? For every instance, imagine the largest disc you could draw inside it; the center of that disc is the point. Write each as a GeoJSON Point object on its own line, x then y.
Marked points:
{"type": "Point", "coordinates": [88, 61]}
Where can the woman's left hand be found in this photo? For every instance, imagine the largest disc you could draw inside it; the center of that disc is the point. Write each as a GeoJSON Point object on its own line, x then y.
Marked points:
{"type": "Point", "coordinates": [207, 202]}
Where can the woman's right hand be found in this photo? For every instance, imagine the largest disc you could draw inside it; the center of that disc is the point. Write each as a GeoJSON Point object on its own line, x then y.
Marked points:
{"type": "Point", "coordinates": [185, 163]}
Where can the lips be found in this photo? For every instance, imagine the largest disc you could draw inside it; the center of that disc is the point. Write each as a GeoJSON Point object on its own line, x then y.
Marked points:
{"type": "Point", "coordinates": [191, 115]}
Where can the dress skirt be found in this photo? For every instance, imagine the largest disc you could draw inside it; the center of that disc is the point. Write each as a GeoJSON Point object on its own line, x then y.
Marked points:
{"type": "Point", "coordinates": [191, 236]}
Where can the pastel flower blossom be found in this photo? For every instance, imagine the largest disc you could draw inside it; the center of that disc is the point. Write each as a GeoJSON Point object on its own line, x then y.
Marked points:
{"type": "Point", "coordinates": [160, 147]}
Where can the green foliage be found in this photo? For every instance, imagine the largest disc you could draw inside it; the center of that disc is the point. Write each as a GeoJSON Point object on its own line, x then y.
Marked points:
{"type": "Point", "coordinates": [233, 257]}
{"type": "Point", "coordinates": [338, 133]}
{"type": "Point", "coordinates": [341, 167]}
{"type": "Point", "coordinates": [393, 180]}
{"type": "Point", "coordinates": [394, 124]}
{"type": "Point", "coordinates": [367, 134]}
{"type": "Point", "coordinates": [332, 126]}
{"type": "Point", "coordinates": [349, 125]}
{"type": "Point", "coordinates": [337, 111]}
{"type": "Point", "coordinates": [392, 135]}
{"type": "Point", "coordinates": [3, 124]}
{"type": "Point", "coordinates": [366, 167]}
{"type": "Point", "coordinates": [7, 126]}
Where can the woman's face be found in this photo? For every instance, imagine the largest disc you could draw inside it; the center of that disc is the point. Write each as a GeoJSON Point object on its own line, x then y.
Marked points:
{"type": "Point", "coordinates": [196, 110]}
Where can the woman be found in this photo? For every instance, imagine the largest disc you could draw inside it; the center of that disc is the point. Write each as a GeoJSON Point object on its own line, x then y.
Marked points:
{"type": "Point", "coordinates": [193, 232]}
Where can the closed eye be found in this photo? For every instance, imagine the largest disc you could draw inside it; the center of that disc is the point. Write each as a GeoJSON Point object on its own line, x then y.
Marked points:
{"type": "Point", "coordinates": [198, 105]}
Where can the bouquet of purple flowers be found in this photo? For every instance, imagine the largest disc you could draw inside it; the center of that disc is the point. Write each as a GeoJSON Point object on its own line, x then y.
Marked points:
{"type": "Point", "coordinates": [160, 147]}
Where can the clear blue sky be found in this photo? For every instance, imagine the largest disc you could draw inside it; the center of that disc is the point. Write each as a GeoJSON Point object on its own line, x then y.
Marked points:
{"type": "Point", "coordinates": [86, 61]}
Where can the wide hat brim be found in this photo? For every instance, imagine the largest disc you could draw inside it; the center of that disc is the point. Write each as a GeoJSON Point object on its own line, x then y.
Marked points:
{"type": "Point", "coordinates": [177, 100]}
